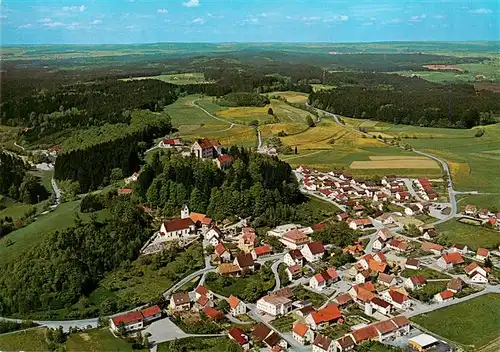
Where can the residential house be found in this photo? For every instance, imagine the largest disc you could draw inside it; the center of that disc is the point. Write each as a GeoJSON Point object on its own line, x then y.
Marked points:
{"type": "Point", "coordinates": [206, 149]}
{"type": "Point", "coordinates": [293, 272]}
{"type": "Point", "coordinates": [342, 216]}
{"type": "Point", "coordinates": [345, 343]}
{"type": "Point", "coordinates": [294, 257]}
{"type": "Point", "coordinates": [363, 276]}
{"type": "Point", "coordinates": [459, 248]}
{"type": "Point", "coordinates": [131, 321]}
{"type": "Point", "coordinates": [222, 253]}
{"type": "Point", "coordinates": [386, 279]}
{"type": "Point", "coordinates": [237, 306]}
{"type": "Point", "coordinates": [228, 269]}
{"type": "Point", "coordinates": [247, 240]}
{"type": "Point", "coordinates": [403, 196]}
{"type": "Point", "coordinates": [343, 300]}
{"type": "Point", "coordinates": [415, 282]}
{"type": "Point", "coordinates": [238, 336]}
{"type": "Point", "coordinates": [432, 247]}
{"type": "Point", "coordinates": [202, 302]}
{"type": "Point", "coordinates": [177, 229]}
{"type": "Point", "coordinates": [305, 311]}
{"type": "Point", "coordinates": [379, 257]}
{"type": "Point", "coordinates": [397, 299]}
{"type": "Point", "coordinates": [274, 305]}
{"type": "Point", "coordinates": [483, 214]}
{"type": "Point", "coordinates": [180, 302]}
{"type": "Point", "coordinates": [262, 333]}
{"type": "Point", "coordinates": [444, 296]}
{"type": "Point", "coordinates": [200, 220]}
{"type": "Point", "coordinates": [412, 264]}
{"type": "Point", "coordinates": [380, 305]}
{"type": "Point", "coordinates": [360, 224]}
{"type": "Point", "coordinates": [323, 317]}
{"type": "Point", "coordinates": [313, 251]}
{"type": "Point", "coordinates": [261, 251]}
{"type": "Point", "coordinates": [367, 333]}
{"type": "Point", "coordinates": [151, 313]}
{"type": "Point", "coordinates": [295, 239]}
{"type": "Point", "coordinates": [323, 344]}
{"type": "Point", "coordinates": [455, 285]}
{"type": "Point", "coordinates": [213, 236]}
{"type": "Point", "coordinates": [448, 260]}
{"type": "Point", "coordinates": [364, 261]}
{"type": "Point", "coordinates": [384, 233]}
{"type": "Point", "coordinates": [322, 280]}
{"type": "Point", "coordinates": [302, 333]}
{"type": "Point", "coordinates": [378, 244]}
{"type": "Point", "coordinates": [482, 254]}
{"type": "Point", "coordinates": [355, 250]}
{"type": "Point", "coordinates": [203, 291]}
{"type": "Point", "coordinates": [470, 210]}
{"type": "Point", "coordinates": [387, 219]}
{"type": "Point", "coordinates": [398, 245]}
{"type": "Point", "coordinates": [474, 267]}
{"type": "Point", "coordinates": [245, 262]}
{"type": "Point", "coordinates": [478, 278]}
{"type": "Point", "coordinates": [412, 210]}
{"type": "Point", "coordinates": [376, 266]}
{"type": "Point", "coordinates": [363, 292]}
{"type": "Point", "coordinates": [380, 197]}
{"type": "Point", "coordinates": [171, 143]}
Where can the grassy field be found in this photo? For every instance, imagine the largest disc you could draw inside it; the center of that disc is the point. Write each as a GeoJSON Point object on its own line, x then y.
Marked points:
{"type": "Point", "coordinates": [176, 78]}
{"type": "Point", "coordinates": [472, 236]}
{"type": "Point", "coordinates": [425, 272]}
{"type": "Point", "coordinates": [318, 87]}
{"type": "Point", "coordinates": [291, 97]}
{"type": "Point", "coordinates": [474, 323]}
{"type": "Point", "coordinates": [489, 201]}
{"type": "Point", "coordinates": [469, 157]}
{"type": "Point", "coordinates": [199, 344]}
{"type": "Point", "coordinates": [97, 340]}
{"type": "Point", "coordinates": [32, 234]}
{"type": "Point", "coordinates": [31, 340]}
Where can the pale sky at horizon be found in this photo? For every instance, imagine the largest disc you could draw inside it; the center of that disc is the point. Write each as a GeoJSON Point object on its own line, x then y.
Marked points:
{"type": "Point", "coordinates": [140, 21]}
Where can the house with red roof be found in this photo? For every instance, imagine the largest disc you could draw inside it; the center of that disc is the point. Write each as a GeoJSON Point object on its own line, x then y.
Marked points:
{"type": "Point", "coordinates": [222, 253]}
{"type": "Point", "coordinates": [293, 272]}
{"type": "Point", "coordinates": [124, 191]}
{"type": "Point", "coordinates": [398, 245]}
{"type": "Point", "coordinates": [133, 321]}
{"type": "Point", "coordinates": [448, 260]}
{"type": "Point", "coordinates": [415, 282]}
{"type": "Point", "coordinates": [206, 148]}
{"type": "Point", "coordinates": [213, 313]}
{"type": "Point", "coordinates": [176, 229]}
{"type": "Point", "coordinates": [238, 336]}
{"type": "Point", "coordinates": [321, 280]}
{"type": "Point", "coordinates": [261, 251]}
{"type": "Point", "coordinates": [323, 317]}
{"type": "Point", "coordinates": [295, 239]}
{"type": "Point", "coordinates": [345, 343]}
{"type": "Point", "coordinates": [323, 344]}
{"type": "Point", "coordinates": [432, 247]}
{"type": "Point", "coordinates": [294, 257]}
{"type": "Point", "coordinates": [482, 254]}
{"type": "Point", "coordinates": [237, 306]}
{"type": "Point", "coordinates": [360, 224]}
{"type": "Point", "coordinates": [313, 251]}
{"type": "Point", "coordinates": [445, 296]}
{"type": "Point", "coordinates": [363, 292]}
{"type": "Point", "coordinates": [224, 161]}
{"type": "Point", "coordinates": [397, 299]}
{"type": "Point", "coordinates": [302, 333]}
{"type": "Point", "coordinates": [203, 291]}
{"type": "Point", "coordinates": [246, 241]}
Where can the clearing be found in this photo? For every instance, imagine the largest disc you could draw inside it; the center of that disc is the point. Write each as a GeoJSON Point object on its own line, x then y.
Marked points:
{"type": "Point", "coordinates": [471, 235]}
{"type": "Point", "coordinates": [29, 340]}
{"type": "Point", "coordinates": [291, 97]}
{"type": "Point", "coordinates": [96, 340]}
{"type": "Point", "coordinates": [473, 323]}
{"type": "Point", "coordinates": [176, 78]}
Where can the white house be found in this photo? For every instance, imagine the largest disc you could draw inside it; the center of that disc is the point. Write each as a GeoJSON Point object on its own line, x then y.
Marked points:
{"type": "Point", "coordinates": [473, 267]}
{"type": "Point", "coordinates": [274, 305]}
{"type": "Point", "coordinates": [362, 276]}
{"type": "Point", "coordinates": [444, 296]}
{"type": "Point", "coordinates": [482, 254]}
{"type": "Point", "coordinates": [322, 280]}
{"type": "Point", "coordinates": [478, 278]}
{"type": "Point", "coordinates": [459, 248]}
{"type": "Point", "coordinates": [237, 307]}
{"type": "Point", "coordinates": [378, 244]}
{"type": "Point", "coordinates": [222, 252]}
{"type": "Point", "coordinates": [213, 236]}
{"type": "Point", "coordinates": [380, 305]}
{"type": "Point", "coordinates": [294, 257]}
{"type": "Point", "coordinates": [180, 301]}
{"type": "Point", "coordinates": [397, 299]}
{"type": "Point", "coordinates": [313, 251]}
{"type": "Point", "coordinates": [302, 333]}
{"type": "Point", "coordinates": [131, 321]}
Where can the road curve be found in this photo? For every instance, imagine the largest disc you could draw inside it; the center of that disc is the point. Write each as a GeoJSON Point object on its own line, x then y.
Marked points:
{"type": "Point", "coordinates": [274, 269]}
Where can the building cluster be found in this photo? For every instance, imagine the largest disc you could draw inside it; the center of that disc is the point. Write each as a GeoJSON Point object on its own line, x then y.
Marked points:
{"type": "Point", "coordinates": [484, 215]}
{"type": "Point", "coordinates": [210, 149]}
{"type": "Point", "coordinates": [136, 320]}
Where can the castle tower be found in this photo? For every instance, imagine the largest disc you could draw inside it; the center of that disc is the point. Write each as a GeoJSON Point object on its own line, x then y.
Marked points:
{"type": "Point", "coordinates": [185, 212]}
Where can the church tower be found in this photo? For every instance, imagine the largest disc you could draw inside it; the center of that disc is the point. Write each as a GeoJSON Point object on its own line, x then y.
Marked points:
{"type": "Point", "coordinates": [185, 212]}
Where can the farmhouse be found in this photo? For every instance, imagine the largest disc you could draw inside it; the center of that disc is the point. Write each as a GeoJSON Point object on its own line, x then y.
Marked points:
{"type": "Point", "coordinates": [323, 317]}
{"type": "Point", "coordinates": [206, 149]}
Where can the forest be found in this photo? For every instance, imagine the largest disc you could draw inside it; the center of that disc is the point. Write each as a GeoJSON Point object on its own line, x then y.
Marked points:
{"type": "Point", "coordinates": [257, 185]}
{"type": "Point", "coordinates": [17, 183]}
{"type": "Point", "coordinates": [243, 99]}
{"type": "Point", "coordinates": [404, 100]}
{"type": "Point", "coordinates": [69, 263]}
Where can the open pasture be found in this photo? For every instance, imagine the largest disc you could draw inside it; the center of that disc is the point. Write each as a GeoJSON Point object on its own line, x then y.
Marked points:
{"type": "Point", "coordinates": [176, 78]}
{"type": "Point", "coordinates": [395, 163]}
{"type": "Point", "coordinates": [291, 97]}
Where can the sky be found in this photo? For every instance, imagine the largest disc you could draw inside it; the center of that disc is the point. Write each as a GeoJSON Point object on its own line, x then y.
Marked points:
{"type": "Point", "coordinates": [152, 21]}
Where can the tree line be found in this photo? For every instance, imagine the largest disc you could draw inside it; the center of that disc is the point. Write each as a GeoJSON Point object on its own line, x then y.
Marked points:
{"type": "Point", "coordinates": [403, 100]}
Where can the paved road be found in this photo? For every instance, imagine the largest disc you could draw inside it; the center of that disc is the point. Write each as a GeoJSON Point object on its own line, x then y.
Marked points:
{"type": "Point", "coordinates": [274, 268]}
{"type": "Point", "coordinates": [57, 192]}
{"type": "Point", "coordinates": [190, 277]}
{"type": "Point", "coordinates": [215, 117]}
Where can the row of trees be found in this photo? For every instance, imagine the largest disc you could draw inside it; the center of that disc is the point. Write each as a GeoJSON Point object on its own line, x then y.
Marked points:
{"type": "Point", "coordinates": [243, 99]}
{"type": "Point", "coordinates": [68, 264]}
{"type": "Point", "coordinates": [411, 101]}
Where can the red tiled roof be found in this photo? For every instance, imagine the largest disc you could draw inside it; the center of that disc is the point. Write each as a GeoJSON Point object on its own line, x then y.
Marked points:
{"type": "Point", "coordinates": [471, 267]}
{"type": "Point", "coordinates": [380, 302]}
{"type": "Point", "coordinates": [150, 311]}
{"type": "Point", "coordinates": [178, 224]}
{"type": "Point", "coordinates": [316, 247]}
{"type": "Point", "coordinates": [483, 252]}
{"type": "Point", "coordinates": [295, 235]}
{"type": "Point", "coordinates": [319, 278]}
{"type": "Point", "coordinates": [233, 302]}
{"type": "Point", "coordinates": [427, 246]}
{"type": "Point", "coordinates": [262, 250]}
{"type": "Point", "coordinates": [300, 328]}
{"type": "Point", "coordinates": [322, 342]}
{"type": "Point", "coordinates": [202, 290]}
{"type": "Point", "coordinates": [397, 296]}
{"type": "Point", "coordinates": [401, 321]}
{"type": "Point", "coordinates": [446, 294]}
{"type": "Point", "coordinates": [319, 227]}
{"type": "Point", "coordinates": [203, 300]}
{"type": "Point", "coordinates": [377, 266]}
{"type": "Point", "coordinates": [418, 280]}
{"type": "Point", "coordinates": [345, 342]}
{"type": "Point", "coordinates": [385, 327]}
{"type": "Point", "coordinates": [124, 191]}
{"type": "Point", "coordinates": [127, 318]}
{"type": "Point", "coordinates": [213, 313]}
{"type": "Point", "coordinates": [453, 258]}
{"type": "Point", "coordinates": [367, 333]}
{"type": "Point", "coordinates": [329, 313]}
{"type": "Point", "coordinates": [238, 335]}
{"type": "Point", "coordinates": [296, 254]}
{"type": "Point", "coordinates": [225, 159]}
{"type": "Point", "coordinates": [220, 249]}
{"type": "Point", "coordinates": [343, 299]}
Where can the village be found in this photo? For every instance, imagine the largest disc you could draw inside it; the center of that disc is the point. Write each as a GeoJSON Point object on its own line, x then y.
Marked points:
{"type": "Point", "coordinates": [395, 270]}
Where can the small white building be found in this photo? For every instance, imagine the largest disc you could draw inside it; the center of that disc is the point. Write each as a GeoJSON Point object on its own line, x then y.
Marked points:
{"type": "Point", "coordinates": [274, 305]}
